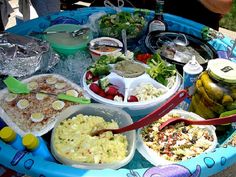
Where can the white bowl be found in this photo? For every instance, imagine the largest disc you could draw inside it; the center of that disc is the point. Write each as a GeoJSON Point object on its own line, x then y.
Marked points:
{"type": "Point", "coordinates": [105, 40]}
{"type": "Point", "coordinates": [108, 113]}
{"type": "Point", "coordinates": [150, 155]}
{"type": "Point", "coordinates": [136, 109]}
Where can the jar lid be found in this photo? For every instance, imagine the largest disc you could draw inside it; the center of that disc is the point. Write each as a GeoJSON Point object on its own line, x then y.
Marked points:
{"type": "Point", "coordinates": [223, 70]}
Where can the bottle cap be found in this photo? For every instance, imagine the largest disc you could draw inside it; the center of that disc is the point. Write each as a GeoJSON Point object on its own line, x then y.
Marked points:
{"type": "Point", "coordinates": [7, 134]}
{"type": "Point", "coordinates": [222, 70]}
{"type": "Point", "coordinates": [30, 141]}
{"type": "Point", "coordinates": [193, 67]}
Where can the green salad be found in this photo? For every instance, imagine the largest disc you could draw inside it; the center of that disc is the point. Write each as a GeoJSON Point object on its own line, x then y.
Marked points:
{"type": "Point", "coordinates": [112, 24]}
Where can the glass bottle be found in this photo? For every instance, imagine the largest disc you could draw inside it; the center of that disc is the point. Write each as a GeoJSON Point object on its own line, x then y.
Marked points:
{"type": "Point", "coordinates": [158, 23]}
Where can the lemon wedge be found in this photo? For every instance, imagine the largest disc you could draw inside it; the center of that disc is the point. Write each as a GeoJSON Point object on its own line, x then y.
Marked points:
{"type": "Point", "coordinates": [22, 104]}
{"type": "Point", "coordinates": [37, 117]}
{"type": "Point", "coordinates": [72, 93]}
{"type": "Point", "coordinates": [58, 105]}
{"type": "Point", "coordinates": [10, 97]}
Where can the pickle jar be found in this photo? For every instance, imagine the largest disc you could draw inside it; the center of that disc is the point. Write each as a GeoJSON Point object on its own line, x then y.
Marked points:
{"type": "Point", "coordinates": [215, 90]}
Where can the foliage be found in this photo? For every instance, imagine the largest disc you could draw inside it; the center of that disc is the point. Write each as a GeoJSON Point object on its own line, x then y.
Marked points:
{"type": "Point", "coordinates": [229, 20]}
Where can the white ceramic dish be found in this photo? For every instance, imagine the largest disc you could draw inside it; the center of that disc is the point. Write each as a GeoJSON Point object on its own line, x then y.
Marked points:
{"type": "Point", "coordinates": [108, 113]}
{"type": "Point", "coordinates": [150, 155]}
{"type": "Point", "coordinates": [104, 40]}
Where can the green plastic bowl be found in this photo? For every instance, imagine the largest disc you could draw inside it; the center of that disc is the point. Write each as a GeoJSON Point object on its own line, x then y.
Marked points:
{"type": "Point", "coordinates": [65, 43]}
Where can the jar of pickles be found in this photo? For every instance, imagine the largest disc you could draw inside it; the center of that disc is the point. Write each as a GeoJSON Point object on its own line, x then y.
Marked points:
{"type": "Point", "coordinates": [215, 90]}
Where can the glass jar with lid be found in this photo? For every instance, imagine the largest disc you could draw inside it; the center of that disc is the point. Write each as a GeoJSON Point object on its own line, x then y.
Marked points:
{"type": "Point", "coordinates": [215, 90]}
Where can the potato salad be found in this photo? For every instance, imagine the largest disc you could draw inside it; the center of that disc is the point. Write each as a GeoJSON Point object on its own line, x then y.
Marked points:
{"type": "Point", "coordinates": [73, 140]}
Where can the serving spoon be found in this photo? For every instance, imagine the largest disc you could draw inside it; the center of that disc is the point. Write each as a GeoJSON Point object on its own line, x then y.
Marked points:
{"type": "Point", "coordinates": [177, 98]}
{"type": "Point", "coordinates": [213, 121]}
{"type": "Point", "coordinates": [74, 33]}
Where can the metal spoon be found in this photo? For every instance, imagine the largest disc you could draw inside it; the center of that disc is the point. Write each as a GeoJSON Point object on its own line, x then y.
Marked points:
{"type": "Point", "coordinates": [214, 121]}
{"type": "Point", "coordinates": [74, 33]}
{"type": "Point", "coordinates": [153, 116]}
{"type": "Point", "coordinates": [178, 40]}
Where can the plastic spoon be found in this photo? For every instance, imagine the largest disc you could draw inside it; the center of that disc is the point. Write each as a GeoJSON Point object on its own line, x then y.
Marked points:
{"type": "Point", "coordinates": [153, 116]}
{"type": "Point", "coordinates": [15, 86]}
{"type": "Point", "coordinates": [214, 121]}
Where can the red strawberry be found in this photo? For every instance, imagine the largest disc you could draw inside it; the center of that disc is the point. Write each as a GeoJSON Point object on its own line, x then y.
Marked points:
{"type": "Point", "coordinates": [120, 95]}
{"type": "Point", "coordinates": [132, 98]}
{"type": "Point", "coordinates": [111, 90]}
{"type": "Point", "coordinates": [95, 88]}
{"type": "Point", "coordinates": [89, 75]}
{"type": "Point", "coordinates": [110, 97]}
{"type": "Point", "coordinates": [95, 78]}
{"type": "Point", "coordinates": [102, 94]}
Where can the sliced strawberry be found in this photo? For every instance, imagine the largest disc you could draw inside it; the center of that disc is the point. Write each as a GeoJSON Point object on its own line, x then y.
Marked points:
{"type": "Point", "coordinates": [132, 98]}
{"type": "Point", "coordinates": [111, 90]}
{"type": "Point", "coordinates": [89, 75]}
{"type": "Point", "coordinates": [95, 88]}
{"type": "Point", "coordinates": [110, 97]}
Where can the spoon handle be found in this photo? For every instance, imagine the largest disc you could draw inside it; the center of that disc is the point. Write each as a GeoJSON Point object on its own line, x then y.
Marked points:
{"type": "Point", "coordinates": [213, 121]}
{"type": "Point", "coordinates": [157, 114]}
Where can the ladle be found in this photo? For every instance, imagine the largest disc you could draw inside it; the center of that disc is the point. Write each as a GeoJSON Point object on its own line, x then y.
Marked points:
{"type": "Point", "coordinates": [153, 116]}
{"type": "Point", "coordinates": [15, 86]}
{"type": "Point", "coordinates": [213, 121]}
{"type": "Point", "coordinates": [74, 33]}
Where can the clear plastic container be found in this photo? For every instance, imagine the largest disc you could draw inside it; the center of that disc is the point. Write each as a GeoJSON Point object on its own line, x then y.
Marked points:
{"type": "Point", "coordinates": [65, 43]}
{"type": "Point", "coordinates": [153, 157]}
{"type": "Point", "coordinates": [108, 113]}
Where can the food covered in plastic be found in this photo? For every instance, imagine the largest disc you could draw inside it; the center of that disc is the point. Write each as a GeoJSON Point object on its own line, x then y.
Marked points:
{"type": "Point", "coordinates": [73, 140]}
{"type": "Point", "coordinates": [215, 89]}
{"type": "Point", "coordinates": [175, 142]}
{"type": "Point", "coordinates": [36, 112]}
